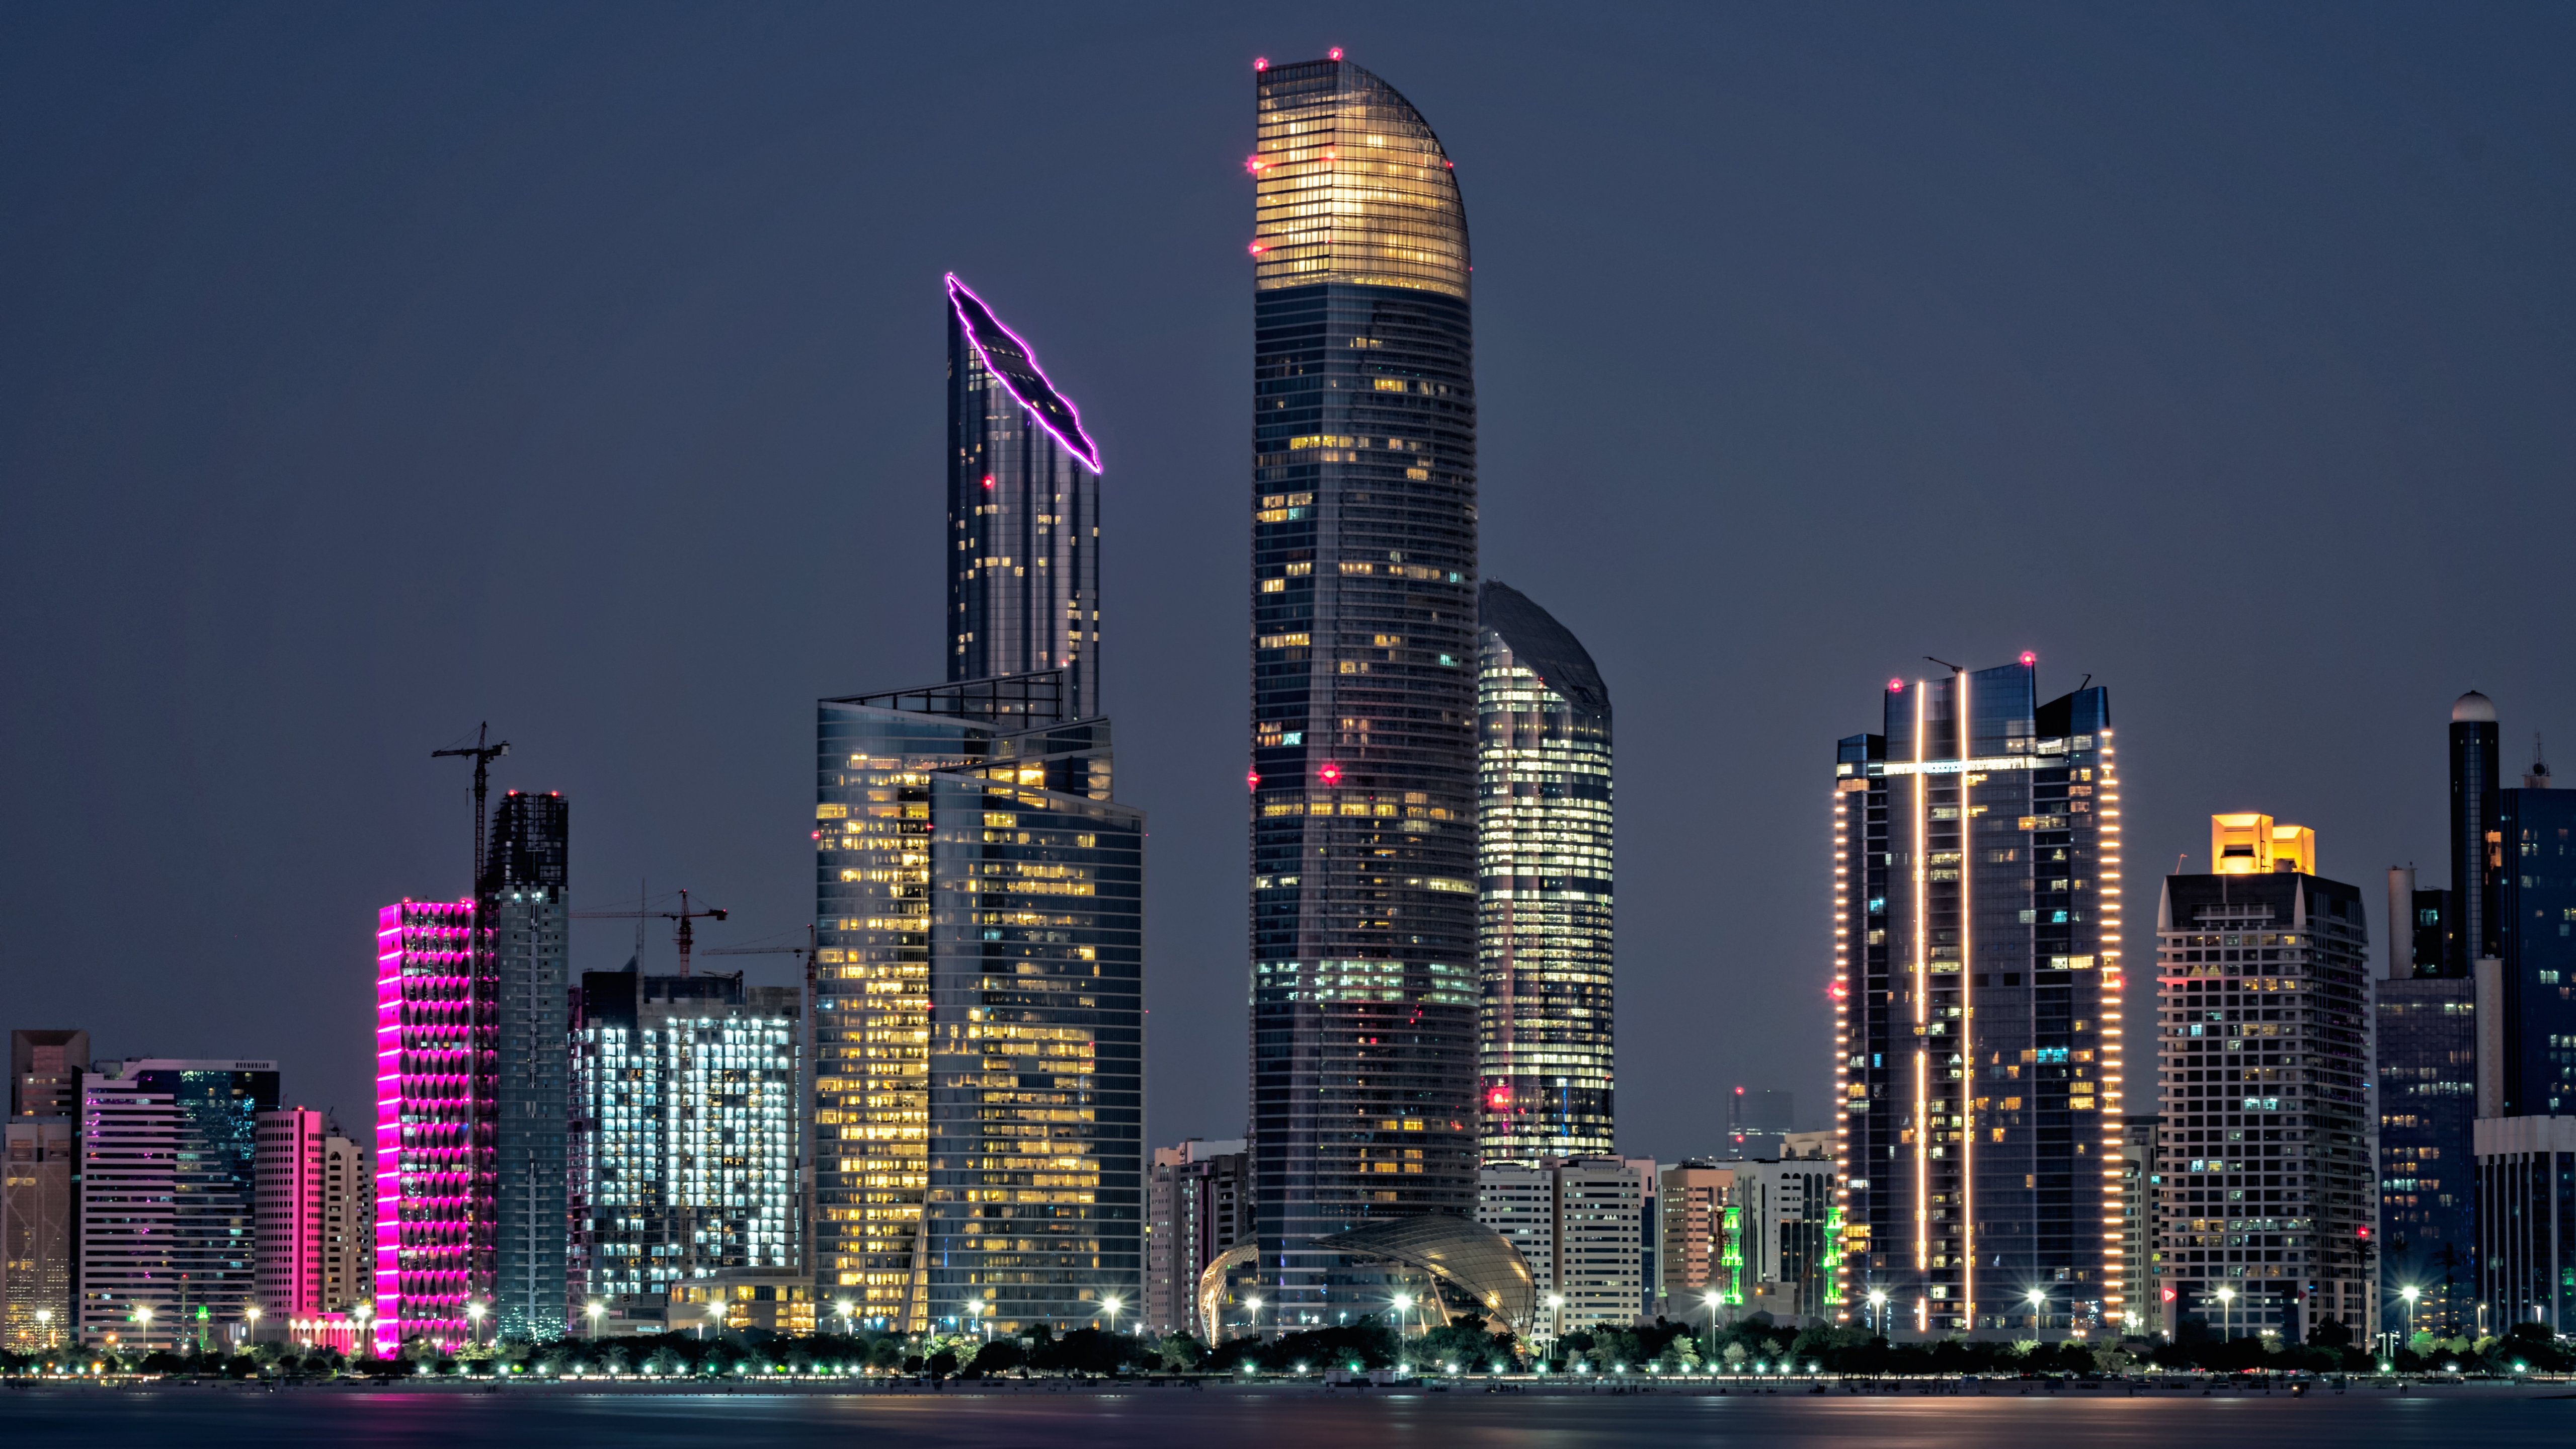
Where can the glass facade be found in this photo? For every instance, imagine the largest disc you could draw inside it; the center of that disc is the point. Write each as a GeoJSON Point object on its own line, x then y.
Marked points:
{"type": "Point", "coordinates": [2532, 866]}
{"type": "Point", "coordinates": [1977, 996]}
{"type": "Point", "coordinates": [2428, 1100]}
{"type": "Point", "coordinates": [690, 1099]}
{"type": "Point", "coordinates": [437, 1036]}
{"type": "Point", "coordinates": [1363, 776]}
{"type": "Point", "coordinates": [2267, 1184]}
{"type": "Point", "coordinates": [525, 879]}
{"type": "Point", "coordinates": [979, 1017]}
{"type": "Point", "coordinates": [1543, 889]}
{"type": "Point", "coordinates": [169, 1201]}
{"type": "Point", "coordinates": [1023, 514]}
{"type": "Point", "coordinates": [2527, 1221]}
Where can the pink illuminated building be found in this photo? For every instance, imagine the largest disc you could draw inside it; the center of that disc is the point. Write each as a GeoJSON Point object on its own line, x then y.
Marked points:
{"type": "Point", "coordinates": [436, 1072]}
{"type": "Point", "coordinates": [288, 1225]}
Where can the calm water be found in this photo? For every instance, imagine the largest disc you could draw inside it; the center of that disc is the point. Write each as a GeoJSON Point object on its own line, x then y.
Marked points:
{"type": "Point", "coordinates": [218, 1418]}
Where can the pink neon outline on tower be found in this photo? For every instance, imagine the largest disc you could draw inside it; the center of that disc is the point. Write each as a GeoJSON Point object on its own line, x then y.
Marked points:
{"type": "Point", "coordinates": [1085, 451]}
{"type": "Point", "coordinates": [439, 1220]}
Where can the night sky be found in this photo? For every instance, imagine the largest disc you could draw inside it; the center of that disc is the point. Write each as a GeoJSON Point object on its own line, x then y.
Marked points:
{"type": "Point", "coordinates": [370, 371]}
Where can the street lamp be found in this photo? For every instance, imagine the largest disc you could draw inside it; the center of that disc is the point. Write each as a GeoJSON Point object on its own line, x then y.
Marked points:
{"type": "Point", "coordinates": [845, 1308]}
{"type": "Point", "coordinates": [363, 1313]}
{"type": "Point", "coordinates": [597, 1310]}
{"type": "Point", "coordinates": [1878, 1304]}
{"type": "Point", "coordinates": [2039, 1310]}
{"type": "Point", "coordinates": [1404, 1308]}
{"type": "Point", "coordinates": [1712, 1299]}
{"type": "Point", "coordinates": [2410, 1293]}
{"type": "Point", "coordinates": [1110, 1305]}
{"type": "Point", "coordinates": [45, 1321]}
{"type": "Point", "coordinates": [2227, 1308]}
{"type": "Point", "coordinates": [474, 1322]}
{"type": "Point", "coordinates": [1254, 1303]}
{"type": "Point", "coordinates": [143, 1320]}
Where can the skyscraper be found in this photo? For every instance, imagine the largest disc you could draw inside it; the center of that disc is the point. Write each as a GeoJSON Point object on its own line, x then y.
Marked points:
{"type": "Point", "coordinates": [38, 1217]}
{"type": "Point", "coordinates": [1977, 1000]}
{"type": "Point", "coordinates": [1023, 513]}
{"type": "Point", "coordinates": [436, 1042]}
{"type": "Point", "coordinates": [525, 877]}
{"type": "Point", "coordinates": [978, 1013]}
{"type": "Point", "coordinates": [2532, 883]}
{"type": "Point", "coordinates": [2268, 1194]}
{"type": "Point", "coordinates": [1363, 778]}
{"type": "Point", "coordinates": [2426, 1030]}
{"type": "Point", "coordinates": [1543, 885]}
{"type": "Point", "coordinates": [169, 1201]}
{"type": "Point", "coordinates": [690, 1097]}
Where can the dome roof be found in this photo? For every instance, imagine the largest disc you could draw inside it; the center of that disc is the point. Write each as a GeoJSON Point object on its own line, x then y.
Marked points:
{"type": "Point", "coordinates": [2473, 708]}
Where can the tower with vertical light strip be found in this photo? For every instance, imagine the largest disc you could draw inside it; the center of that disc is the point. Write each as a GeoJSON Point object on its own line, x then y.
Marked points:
{"type": "Point", "coordinates": [1976, 993]}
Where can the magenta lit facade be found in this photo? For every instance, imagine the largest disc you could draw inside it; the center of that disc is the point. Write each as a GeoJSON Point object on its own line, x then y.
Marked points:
{"type": "Point", "coordinates": [288, 1226]}
{"type": "Point", "coordinates": [437, 1029]}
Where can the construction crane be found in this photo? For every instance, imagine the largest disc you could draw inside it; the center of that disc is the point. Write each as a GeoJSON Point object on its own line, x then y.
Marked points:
{"type": "Point", "coordinates": [804, 952]}
{"type": "Point", "coordinates": [482, 752]}
{"type": "Point", "coordinates": [684, 915]}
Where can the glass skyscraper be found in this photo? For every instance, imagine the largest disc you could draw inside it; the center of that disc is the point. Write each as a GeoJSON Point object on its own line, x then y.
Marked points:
{"type": "Point", "coordinates": [1543, 886]}
{"type": "Point", "coordinates": [1023, 513]}
{"type": "Point", "coordinates": [1977, 1001]}
{"type": "Point", "coordinates": [979, 1093]}
{"type": "Point", "coordinates": [1363, 777]}
{"type": "Point", "coordinates": [525, 878]}
{"type": "Point", "coordinates": [979, 1011]}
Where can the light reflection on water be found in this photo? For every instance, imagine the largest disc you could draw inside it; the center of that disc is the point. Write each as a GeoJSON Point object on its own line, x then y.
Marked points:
{"type": "Point", "coordinates": [1279, 1418]}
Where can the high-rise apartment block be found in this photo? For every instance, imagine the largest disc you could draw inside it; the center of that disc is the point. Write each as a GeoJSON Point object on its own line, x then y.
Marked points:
{"type": "Point", "coordinates": [290, 1228]}
{"type": "Point", "coordinates": [1589, 1229]}
{"type": "Point", "coordinates": [1788, 1236]}
{"type": "Point", "coordinates": [1363, 779]}
{"type": "Point", "coordinates": [437, 1036]}
{"type": "Point", "coordinates": [348, 1224]}
{"type": "Point", "coordinates": [978, 1013]}
{"type": "Point", "coordinates": [39, 1161]}
{"type": "Point", "coordinates": [169, 1203]}
{"type": "Point", "coordinates": [1198, 1205]}
{"type": "Point", "coordinates": [523, 890]}
{"type": "Point", "coordinates": [1977, 993]}
{"type": "Point", "coordinates": [1703, 1245]}
{"type": "Point", "coordinates": [688, 1137]}
{"type": "Point", "coordinates": [1544, 1042]}
{"type": "Point", "coordinates": [2268, 1195]}
{"type": "Point", "coordinates": [1023, 513]}
{"type": "Point", "coordinates": [2427, 1058]}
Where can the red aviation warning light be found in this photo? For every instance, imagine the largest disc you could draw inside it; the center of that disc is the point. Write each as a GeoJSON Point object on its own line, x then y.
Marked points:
{"type": "Point", "coordinates": [1329, 773]}
{"type": "Point", "coordinates": [2028, 658]}
{"type": "Point", "coordinates": [1896, 686]}
{"type": "Point", "coordinates": [1252, 779]}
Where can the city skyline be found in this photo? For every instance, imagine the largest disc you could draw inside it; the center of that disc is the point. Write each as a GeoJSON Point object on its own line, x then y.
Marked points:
{"type": "Point", "coordinates": [654, 738]}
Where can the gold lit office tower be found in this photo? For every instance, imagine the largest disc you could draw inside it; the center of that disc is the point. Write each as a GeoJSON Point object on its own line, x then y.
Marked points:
{"type": "Point", "coordinates": [1023, 513]}
{"type": "Point", "coordinates": [1977, 990]}
{"type": "Point", "coordinates": [1363, 770]}
{"type": "Point", "coordinates": [1543, 886]}
{"type": "Point", "coordinates": [978, 1010]}
{"type": "Point", "coordinates": [2266, 1189]}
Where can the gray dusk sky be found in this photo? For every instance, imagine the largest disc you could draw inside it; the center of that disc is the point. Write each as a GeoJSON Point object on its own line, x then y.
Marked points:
{"type": "Point", "coordinates": [367, 371]}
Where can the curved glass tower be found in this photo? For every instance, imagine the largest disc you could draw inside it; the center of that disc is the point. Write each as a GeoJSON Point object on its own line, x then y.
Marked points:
{"type": "Point", "coordinates": [1363, 777]}
{"type": "Point", "coordinates": [1023, 513]}
{"type": "Point", "coordinates": [1543, 890]}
